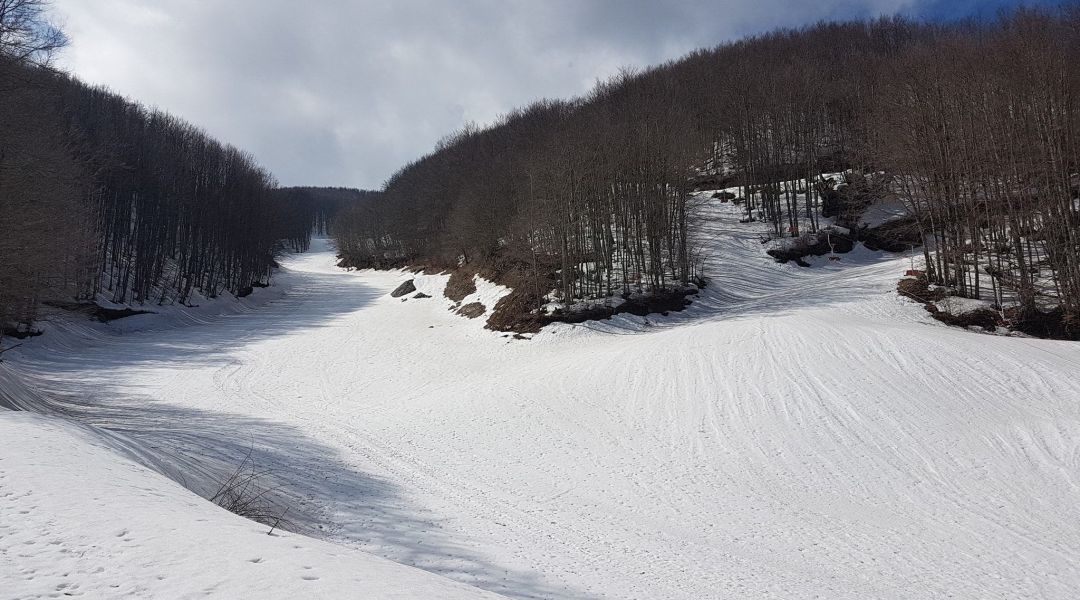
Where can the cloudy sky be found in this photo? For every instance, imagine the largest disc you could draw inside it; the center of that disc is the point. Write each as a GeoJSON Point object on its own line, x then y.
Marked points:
{"type": "Point", "coordinates": [343, 92]}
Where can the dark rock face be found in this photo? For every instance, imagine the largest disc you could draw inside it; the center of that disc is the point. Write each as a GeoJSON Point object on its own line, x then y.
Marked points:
{"type": "Point", "coordinates": [707, 182]}
{"type": "Point", "coordinates": [20, 334]}
{"type": "Point", "coordinates": [820, 245]}
{"type": "Point", "coordinates": [472, 310]}
{"type": "Point", "coordinates": [406, 288]}
{"type": "Point", "coordinates": [918, 289]}
{"type": "Point", "coordinates": [460, 284]}
{"type": "Point", "coordinates": [1054, 325]}
{"type": "Point", "coordinates": [98, 313]}
{"type": "Point", "coordinates": [895, 236]}
{"type": "Point", "coordinates": [516, 311]}
{"type": "Point", "coordinates": [421, 295]}
{"type": "Point", "coordinates": [981, 317]}
{"type": "Point", "coordinates": [662, 302]}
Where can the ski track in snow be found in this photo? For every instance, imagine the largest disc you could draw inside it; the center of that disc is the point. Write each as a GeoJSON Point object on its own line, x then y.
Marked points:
{"type": "Point", "coordinates": [796, 433]}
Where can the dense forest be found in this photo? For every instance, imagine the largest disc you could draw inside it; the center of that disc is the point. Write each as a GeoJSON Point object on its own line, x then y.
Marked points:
{"type": "Point", "coordinates": [102, 199]}
{"type": "Point", "coordinates": [974, 125]}
{"type": "Point", "coordinates": [322, 205]}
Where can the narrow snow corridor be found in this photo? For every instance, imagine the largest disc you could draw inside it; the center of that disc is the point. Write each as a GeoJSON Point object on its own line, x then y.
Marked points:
{"type": "Point", "coordinates": [796, 433]}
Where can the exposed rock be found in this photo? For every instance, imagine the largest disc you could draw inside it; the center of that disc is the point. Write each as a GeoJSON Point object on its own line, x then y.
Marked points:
{"type": "Point", "coordinates": [985, 318]}
{"type": "Point", "coordinates": [848, 201]}
{"type": "Point", "coordinates": [406, 288]}
{"type": "Point", "coordinates": [1054, 325]}
{"type": "Point", "coordinates": [900, 235]}
{"type": "Point", "coordinates": [894, 236]}
{"type": "Point", "coordinates": [460, 284]}
{"type": "Point", "coordinates": [421, 295]}
{"type": "Point", "coordinates": [516, 311]}
{"type": "Point", "coordinates": [918, 289]}
{"type": "Point", "coordinates": [707, 182]}
{"type": "Point", "coordinates": [819, 244]}
{"type": "Point", "coordinates": [472, 310]}
{"type": "Point", "coordinates": [98, 313]}
{"type": "Point", "coordinates": [20, 333]}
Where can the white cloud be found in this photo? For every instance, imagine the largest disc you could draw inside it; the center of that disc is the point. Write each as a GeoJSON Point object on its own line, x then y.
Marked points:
{"type": "Point", "coordinates": [345, 92]}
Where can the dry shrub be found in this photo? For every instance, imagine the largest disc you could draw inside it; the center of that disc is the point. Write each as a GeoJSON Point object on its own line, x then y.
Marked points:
{"type": "Point", "coordinates": [246, 494]}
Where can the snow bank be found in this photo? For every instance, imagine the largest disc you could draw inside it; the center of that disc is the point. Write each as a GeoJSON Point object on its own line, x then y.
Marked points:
{"type": "Point", "coordinates": [432, 285]}
{"type": "Point", "coordinates": [487, 293]}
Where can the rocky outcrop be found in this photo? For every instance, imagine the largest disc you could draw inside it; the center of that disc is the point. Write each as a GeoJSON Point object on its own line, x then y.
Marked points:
{"type": "Point", "coordinates": [406, 288]}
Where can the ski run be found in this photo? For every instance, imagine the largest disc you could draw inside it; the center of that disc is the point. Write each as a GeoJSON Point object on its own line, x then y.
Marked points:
{"type": "Point", "coordinates": [795, 433]}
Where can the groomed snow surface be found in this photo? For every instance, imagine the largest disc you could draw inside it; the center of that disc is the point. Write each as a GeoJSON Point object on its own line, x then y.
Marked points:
{"type": "Point", "coordinates": [797, 433]}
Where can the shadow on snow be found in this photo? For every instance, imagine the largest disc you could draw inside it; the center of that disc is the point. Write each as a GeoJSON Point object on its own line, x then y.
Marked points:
{"type": "Point", "coordinates": [325, 496]}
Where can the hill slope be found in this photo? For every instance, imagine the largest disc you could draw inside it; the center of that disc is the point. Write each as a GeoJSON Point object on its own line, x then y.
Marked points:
{"type": "Point", "coordinates": [796, 433]}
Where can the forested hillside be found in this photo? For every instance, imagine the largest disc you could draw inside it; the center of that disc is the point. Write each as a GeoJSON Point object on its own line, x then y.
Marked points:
{"type": "Point", "coordinates": [104, 199]}
{"type": "Point", "coordinates": [974, 126]}
{"type": "Point", "coordinates": [324, 203]}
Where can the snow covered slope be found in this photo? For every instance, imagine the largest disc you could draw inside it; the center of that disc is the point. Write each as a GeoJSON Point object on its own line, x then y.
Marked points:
{"type": "Point", "coordinates": [77, 518]}
{"type": "Point", "coordinates": [797, 433]}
